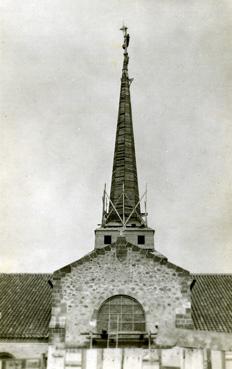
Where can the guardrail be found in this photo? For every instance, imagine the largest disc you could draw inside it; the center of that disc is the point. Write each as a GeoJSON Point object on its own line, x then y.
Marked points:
{"type": "Point", "coordinates": [120, 339]}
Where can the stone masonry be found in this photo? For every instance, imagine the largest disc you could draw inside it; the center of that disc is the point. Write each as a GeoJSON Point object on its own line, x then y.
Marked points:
{"type": "Point", "coordinates": [80, 289]}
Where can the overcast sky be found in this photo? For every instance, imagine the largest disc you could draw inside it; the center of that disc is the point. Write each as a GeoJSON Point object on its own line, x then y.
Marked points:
{"type": "Point", "coordinates": [60, 78]}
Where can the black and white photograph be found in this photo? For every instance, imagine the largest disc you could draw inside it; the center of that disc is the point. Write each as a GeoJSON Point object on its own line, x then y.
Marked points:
{"type": "Point", "coordinates": [116, 184]}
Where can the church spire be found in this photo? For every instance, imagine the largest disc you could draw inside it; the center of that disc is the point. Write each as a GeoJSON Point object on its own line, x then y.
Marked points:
{"type": "Point", "coordinates": [124, 194]}
{"type": "Point", "coordinates": [121, 212]}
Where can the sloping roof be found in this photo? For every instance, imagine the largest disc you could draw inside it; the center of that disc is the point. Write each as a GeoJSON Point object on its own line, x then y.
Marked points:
{"type": "Point", "coordinates": [212, 302]}
{"type": "Point", "coordinates": [25, 304]}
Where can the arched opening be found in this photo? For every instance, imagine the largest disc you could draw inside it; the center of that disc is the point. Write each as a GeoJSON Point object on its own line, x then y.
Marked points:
{"type": "Point", "coordinates": [5, 355]}
{"type": "Point", "coordinates": [121, 313]}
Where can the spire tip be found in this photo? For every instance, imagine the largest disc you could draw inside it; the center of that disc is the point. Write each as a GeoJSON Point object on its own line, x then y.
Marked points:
{"type": "Point", "coordinates": [126, 38]}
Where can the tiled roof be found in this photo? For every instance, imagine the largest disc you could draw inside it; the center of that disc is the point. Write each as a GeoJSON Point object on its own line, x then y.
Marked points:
{"type": "Point", "coordinates": [212, 302]}
{"type": "Point", "coordinates": [25, 304]}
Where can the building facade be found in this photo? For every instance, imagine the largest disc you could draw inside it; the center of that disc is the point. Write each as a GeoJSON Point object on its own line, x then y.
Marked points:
{"type": "Point", "coordinates": [124, 302]}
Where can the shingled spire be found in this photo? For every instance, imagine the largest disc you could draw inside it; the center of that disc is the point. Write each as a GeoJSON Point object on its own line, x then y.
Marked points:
{"type": "Point", "coordinates": [124, 192]}
{"type": "Point", "coordinates": [121, 212]}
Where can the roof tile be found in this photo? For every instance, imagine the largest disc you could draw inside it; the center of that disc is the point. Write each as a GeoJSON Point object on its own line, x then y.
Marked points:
{"type": "Point", "coordinates": [25, 304]}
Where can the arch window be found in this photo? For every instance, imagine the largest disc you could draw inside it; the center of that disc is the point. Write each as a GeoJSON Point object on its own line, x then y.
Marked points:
{"type": "Point", "coordinates": [121, 313]}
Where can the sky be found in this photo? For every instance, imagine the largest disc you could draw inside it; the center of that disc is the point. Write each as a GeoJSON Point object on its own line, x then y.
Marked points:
{"type": "Point", "coordinates": [60, 75]}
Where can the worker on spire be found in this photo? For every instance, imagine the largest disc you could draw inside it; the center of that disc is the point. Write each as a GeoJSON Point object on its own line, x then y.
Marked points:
{"type": "Point", "coordinates": [121, 213]}
{"type": "Point", "coordinates": [125, 46]}
{"type": "Point", "coordinates": [126, 38]}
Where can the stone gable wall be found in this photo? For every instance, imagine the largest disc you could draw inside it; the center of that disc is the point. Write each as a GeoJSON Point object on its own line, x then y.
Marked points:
{"type": "Point", "coordinates": [79, 291]}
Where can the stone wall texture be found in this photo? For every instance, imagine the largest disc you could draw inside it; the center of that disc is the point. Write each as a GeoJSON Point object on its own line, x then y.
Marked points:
{"type": "Point", "coordinates": [80, 289]}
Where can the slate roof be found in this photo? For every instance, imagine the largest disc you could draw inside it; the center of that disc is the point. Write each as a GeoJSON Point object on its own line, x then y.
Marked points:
{"type": "Point", "coordinates": [25, 304]}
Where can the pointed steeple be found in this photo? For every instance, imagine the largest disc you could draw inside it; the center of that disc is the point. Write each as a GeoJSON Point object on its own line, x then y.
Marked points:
{"type": "Point", "coordinates": [124, 192]}
{"type": "Point", "coordinates": [121, 212]}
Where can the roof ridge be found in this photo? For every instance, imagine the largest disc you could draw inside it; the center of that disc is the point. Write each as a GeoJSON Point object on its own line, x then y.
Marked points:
{"type": "Point", "coordinates": [212, 274]}
{"type": "Point", "coordinates": [21, 274]}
